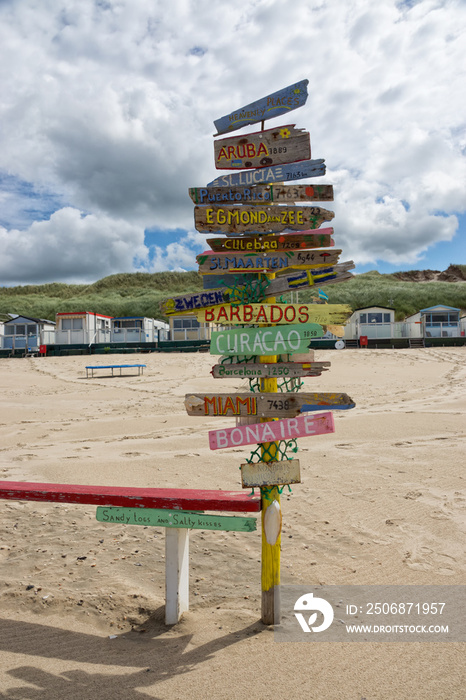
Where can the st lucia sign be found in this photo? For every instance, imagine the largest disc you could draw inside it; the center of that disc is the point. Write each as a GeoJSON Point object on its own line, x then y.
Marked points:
{"type": "Point", "coordinates": [285, 144]}
{"type": "Point", "coordinates": [265, 341]}
{"type": "Point", "coordinates": [251, 262]}
{"type": "Point", "coordinates": [280, 102]}
{"type": "Point", "coordinates": [258, 219]}
{"type": "Point", "coordinates": [275, 173]}
{"type": "Point", "coordinates": [281, 405]}
{"type": "Point", "coordinates": [261, 194]}
{"type": "Point", "coordinates": [228, 314]}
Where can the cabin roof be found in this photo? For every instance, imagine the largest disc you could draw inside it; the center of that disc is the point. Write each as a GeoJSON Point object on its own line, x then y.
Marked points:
{"type": "Point", "coordinates": [30, 318]}
{"type": "Point", "coordinates": [439, 307]}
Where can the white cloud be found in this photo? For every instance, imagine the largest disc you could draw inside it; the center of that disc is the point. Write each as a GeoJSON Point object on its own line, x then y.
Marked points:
{"type": "Point", "coordinates": [70, 247]}
{"type": "Point", "coordinates": [110, 109]}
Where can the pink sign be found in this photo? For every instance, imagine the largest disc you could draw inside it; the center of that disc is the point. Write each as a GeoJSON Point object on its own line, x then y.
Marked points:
{"type": "Point", "coordinates": [286, 429]}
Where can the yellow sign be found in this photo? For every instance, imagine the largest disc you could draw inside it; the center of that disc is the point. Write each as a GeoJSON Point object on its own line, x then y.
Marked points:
{"type": "Point", "coordinates": [228, 314]}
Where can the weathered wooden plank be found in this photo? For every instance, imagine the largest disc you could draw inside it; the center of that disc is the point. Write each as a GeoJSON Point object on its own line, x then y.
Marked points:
{"type": "Point", "coordinates": [277, 314]}
{"type": "Point", "coordinates": [261, 194]}
{"type": "Point", "coordinates": [270, 473]}
{"type": "Point", "coordinates": [277, 173]}
{"type": "Point", "coordinates": [188, 302]}
{"type": "Point", "coordinates": [288, 282]}
{"type": "Point", "coordinates": [284, 144]}
{"type": "Point", "coordinates": [263, 405]}
{"type": "Point", "coordinates": [264, 341]}
{"type": "Point", "coordinates": [286, 429]}
{"type": "Point", "coordinates": [241, 218]}
{"type": "Point", "coordinates": [280, 102]}
{"type": "Point", "coordinates": [244, 262]}
{"type": "Point", "coordinates": [174, 518]}
{"type": "Point", "coordinates": [321, 238]}
{"type": "Point", "coordinates": [253, 370]}
{"type": "Point", "coordinates": [180, 499]}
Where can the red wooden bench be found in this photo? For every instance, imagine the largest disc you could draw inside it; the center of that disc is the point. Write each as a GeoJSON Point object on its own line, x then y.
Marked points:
{"type": "Point", "coordinates": [176, 539]}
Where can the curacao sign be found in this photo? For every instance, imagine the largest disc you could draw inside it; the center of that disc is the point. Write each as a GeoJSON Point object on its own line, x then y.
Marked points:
{"type": "Point", "coordinates": [265, 341]}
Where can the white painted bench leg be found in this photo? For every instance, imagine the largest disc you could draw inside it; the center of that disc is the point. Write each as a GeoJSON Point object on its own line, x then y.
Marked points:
{"type": "Point", "coordinates": [176, 573]}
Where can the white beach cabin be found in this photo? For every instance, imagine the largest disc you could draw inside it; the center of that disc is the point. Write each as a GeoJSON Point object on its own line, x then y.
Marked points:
{"type": "Point", "coordinates": [372, 322]}
{"type": "Point", "coordinates": [82, 328]}
{"type": "Point", "coordinates": [25, 333]}
{"type": "Point", "coordinates": [138, 329]}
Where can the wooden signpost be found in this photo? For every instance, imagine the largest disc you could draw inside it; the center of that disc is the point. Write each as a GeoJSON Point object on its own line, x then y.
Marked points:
{"type": "Point", "coordinates": [259, 474]}
{"type": "Point", "coordinates": [262, 405]}
{"type": "Point", "coordinates": [262, 194]}
{"type": "Point", "coordinates": [264, 341]}
{"type": "Point", "coordinates": [258, 219]}
{"type": "Point", "coordinates": [322, 238]}
{"type": "Point", "coordinates": [259, 208]}
{"type": "Point", "coordinates": [192, 520]}
{"type": "Point", "coordinates": [273, 262]}
{"type": "Point", "coordinates": [277, 173]}
{"type": "Point", "coordinates": [264, 433]}
{"type": "Point", "coordinates": [279, 146]}
{"type": "Point", "coordinates": [253, 370]}
{"type": "Point", "coordinates": [280, 102]}
{"type": "Point", "coordinates": [280, 314]}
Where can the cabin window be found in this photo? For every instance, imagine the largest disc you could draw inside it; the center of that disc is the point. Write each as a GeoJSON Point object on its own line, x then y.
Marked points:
{"type": "Point", "coordinates": [9, 330]}
{"type": "Point", "coordinates": [185, 323]}
{"type": "Point", "coordinates": [363, 318]}
{"type": "Point", "coordinates": [386, 318]}
{"type": "Point", "coordinates": [71, 324]}
{"type": "Point", "coordinates": [446, 318]}
{"type": "Point", "coordinates": [18, 330]}
{"type": "Point", "coordinates": [128, 323]}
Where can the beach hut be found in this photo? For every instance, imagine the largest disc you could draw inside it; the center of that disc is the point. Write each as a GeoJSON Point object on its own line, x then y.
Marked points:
{"type": "Point", "coordinates": [371, 322]}
{"type": "Point", "coordinates": [435, 322]}
{"type": "Point", "coordinates": [138, 329]}
{"type": "Point", "coordinates": [187, 327]}
{"type": "Point", "coordinates": [82, 328]}
{"type": "Point", "coordinates": [27, 333]}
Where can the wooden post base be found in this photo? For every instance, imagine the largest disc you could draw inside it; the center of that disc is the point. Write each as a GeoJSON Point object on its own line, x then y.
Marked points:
{"type": "Point", "coordinates": [176, 574]}
{"type": "Point", "coordinates": [271, 606]}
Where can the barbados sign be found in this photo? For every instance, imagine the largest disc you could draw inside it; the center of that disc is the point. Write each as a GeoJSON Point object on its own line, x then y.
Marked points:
{"type": "Point", "coordinates": [286, 429]}
{"type": "Point", "coordinates": [265, 341]}
{"type": "Point", "coordinates": [280, 102]}
{"type": "Point", "coordinates": [228, 314]}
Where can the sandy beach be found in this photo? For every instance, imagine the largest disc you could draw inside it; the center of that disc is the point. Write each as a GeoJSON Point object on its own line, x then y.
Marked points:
{"type": "Point", "coordinates": [382, 501]}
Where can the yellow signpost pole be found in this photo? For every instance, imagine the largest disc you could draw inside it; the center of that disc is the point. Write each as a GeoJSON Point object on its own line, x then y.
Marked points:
{"type": "Point", "coordinates": [271, 515]}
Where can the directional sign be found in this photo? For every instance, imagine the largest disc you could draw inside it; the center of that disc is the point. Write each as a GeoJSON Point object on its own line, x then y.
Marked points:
{"type": "Point", "coordinates": [277, 173]}
{"type": "Point", "coordinates": [265, 341]}
{"type": "Point", "coordinates": [244, 262]}
{"type": "Point", "coordinates": [284, 283]}
{"type": "Point", "coordinates": [188, 302]}
{"type": "Point", "coordinates": [322, 238]}
{"type": "Point", "coordinates": [281, 102]}
{"type": "Point", "coordinates": [262, 194]}
{"type": "Point", "coordinates": [228, 314]}
{"type": "Point", "coordinates": [258, 218]}
{"type": "Point", "coordinates": [287, 429]}
{"type": "Point", "coordinates": [286, 404]}
{"type": "Point", "coordinates": [284, 144]}
{"type": "Point", "coordinates": [161, 517]}
{"type": "Point", "coordinates": [270, 473]}
{"type": "Point", "coordinates": [280, 370]}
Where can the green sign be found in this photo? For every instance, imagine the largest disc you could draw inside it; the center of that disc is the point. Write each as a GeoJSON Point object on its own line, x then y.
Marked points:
{"type": "Point", "coordinates": [265, 341]}
{"type": "Point", "coordinates": [161, 517]}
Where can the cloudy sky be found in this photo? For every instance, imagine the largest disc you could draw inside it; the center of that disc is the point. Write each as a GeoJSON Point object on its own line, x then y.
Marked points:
{"type": "Point", "coordinates": [107, 109]}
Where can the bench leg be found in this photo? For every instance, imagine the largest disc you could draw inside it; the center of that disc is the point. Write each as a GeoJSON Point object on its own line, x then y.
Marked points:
{"type": "Point", "coordinates": [176, 573]}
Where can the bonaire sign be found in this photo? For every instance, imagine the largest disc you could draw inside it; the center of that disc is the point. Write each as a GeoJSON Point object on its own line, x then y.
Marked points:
{"type": "Point", "coordinates": [285, 429]}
